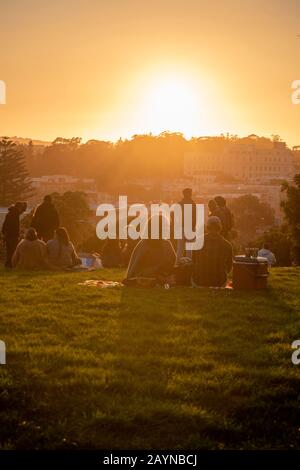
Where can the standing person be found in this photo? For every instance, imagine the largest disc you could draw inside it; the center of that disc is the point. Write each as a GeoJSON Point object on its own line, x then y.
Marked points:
{"type": "Point", "coordinates": [213, 262]}
{"type": "Point", "coordinates": [30, 253]}
{"type": "Point", "coordinates": [11, 230]}
{"type": "Point", "coordinates": [187, 199]}
{"type": "Point", "coordinates": [227, 217]}
{"type": "Point", "coordinates": [215, 211]}
{"type": "Point", "coordinates": [45, 219]}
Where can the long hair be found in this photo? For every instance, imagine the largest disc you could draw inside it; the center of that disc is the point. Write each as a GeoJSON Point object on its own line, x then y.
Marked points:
{"type": "Point", "coordinates": [62, 236]}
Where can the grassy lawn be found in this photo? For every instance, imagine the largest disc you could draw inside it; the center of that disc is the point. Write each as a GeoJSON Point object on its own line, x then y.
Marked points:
{"type": "Point", "coordinates": [155, 368]}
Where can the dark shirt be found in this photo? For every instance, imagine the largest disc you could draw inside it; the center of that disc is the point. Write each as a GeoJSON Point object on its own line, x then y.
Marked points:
{"type": "Point", "coordinates": [227, 221]}
{"type": "Point", "coordinates": [45, 218]}
{"type": "Point", "coordinates": [11, 224]}
{"type": "Point", "coordinates": [213, 262]}
{"type": "Point", "coordinates": [194, 211]}
{"type": "Point", "coordinates": [111, 254]}
{"type": "Point", "coordinates": [221, 215]}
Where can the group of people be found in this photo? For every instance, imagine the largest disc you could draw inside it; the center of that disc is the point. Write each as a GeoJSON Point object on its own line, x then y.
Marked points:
{"type": "Point", "coordinates": [45, 245]}
{"type": "Point", "coordinates": [156, 260]}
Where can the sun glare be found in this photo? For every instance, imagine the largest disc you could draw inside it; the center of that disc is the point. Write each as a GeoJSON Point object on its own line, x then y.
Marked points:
{"type": "Point", "coordinates": [172, 104]}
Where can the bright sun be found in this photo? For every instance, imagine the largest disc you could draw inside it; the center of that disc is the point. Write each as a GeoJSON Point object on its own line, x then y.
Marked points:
{"type": "Point", "coordinates": [171, 104]}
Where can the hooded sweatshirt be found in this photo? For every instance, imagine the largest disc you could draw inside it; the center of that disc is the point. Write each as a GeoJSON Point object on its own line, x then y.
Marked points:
{"type": "Point", "coordinates": [11, 224]}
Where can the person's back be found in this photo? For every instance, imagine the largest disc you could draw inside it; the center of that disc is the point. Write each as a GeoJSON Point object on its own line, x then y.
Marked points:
{"type": "Point", "coordinates": [111, 254]}
{"type": "Point", "coordinates": [60, 254]}
{"type": "Point", "coordinates": [229, 218]}
{"type": "Point", "coordinates": [226, 216]}
{"type": "Point", "coordinates": [45, 219]}
{"type": "Point", "coordinates": [60, 250]}
{"type": "Point", "coordinates": [152, 258]}
{"type": "Point", "coordinates": [186, 201]}
{"type": "Point", "coordinates": [215, 211]}
{"type": "Point", "coordinates": [11, 224]}
{"type": "Point", "coordinates": [213, 262]}
{"type": "Point", "coordinates": [11, 230]}
{"type": "Point", "coordinates": [30, 253]}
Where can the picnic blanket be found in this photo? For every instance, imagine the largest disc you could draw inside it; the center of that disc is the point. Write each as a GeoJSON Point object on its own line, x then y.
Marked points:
{"type": "Point", "coordinates": [100, 283]}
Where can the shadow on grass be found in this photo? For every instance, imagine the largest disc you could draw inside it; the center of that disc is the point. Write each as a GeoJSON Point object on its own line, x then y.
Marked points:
{"type": "Point", "coordinates": [180, 368]}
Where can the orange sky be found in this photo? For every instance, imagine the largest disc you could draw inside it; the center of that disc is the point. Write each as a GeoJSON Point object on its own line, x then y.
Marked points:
{"type": "Point", "coordinates": [111, 68]}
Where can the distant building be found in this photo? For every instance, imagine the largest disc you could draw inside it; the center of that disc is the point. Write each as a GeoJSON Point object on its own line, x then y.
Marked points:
{"type": "Point", "coordinates": [60, 184]}
{"type": "Point", "coordinates": [249, 160]}
{"type": "Point", "coordinates": [296, 156]}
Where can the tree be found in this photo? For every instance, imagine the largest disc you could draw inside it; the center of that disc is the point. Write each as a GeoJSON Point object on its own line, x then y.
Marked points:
{"type": "Point", "coordinates": [291, 208]}
{"type": "Point", "coordinates": [250, 214]}
{"type": "Point", "coordinates": [14, 178]}
{"type": "Point", "coordinates": [74, 214]}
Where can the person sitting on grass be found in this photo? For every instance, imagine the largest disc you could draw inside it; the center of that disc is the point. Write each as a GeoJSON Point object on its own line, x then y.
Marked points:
{"type": "Point", "coordinates": [61, 252]}
{"type": "Point", "coordinates": [213, 262]}
{"type": "Point", "coordinates": [30, 253]}
{"type": "Point", "coordinates": [152, 261]}
{"type": "Point", "coordinates": [265, 252]}
{"type": "Point", "coordinates": [111, 254]}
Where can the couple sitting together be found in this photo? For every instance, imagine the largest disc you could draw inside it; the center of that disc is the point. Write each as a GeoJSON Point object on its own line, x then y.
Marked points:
{"type": "Point", "coordinates": [33, 254]}
{"type": "Point", "coordinates": [154, 261]}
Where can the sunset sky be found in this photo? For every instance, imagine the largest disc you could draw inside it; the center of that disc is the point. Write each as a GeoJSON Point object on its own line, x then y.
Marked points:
{"type": "Point", "coordinates": [113, 68]}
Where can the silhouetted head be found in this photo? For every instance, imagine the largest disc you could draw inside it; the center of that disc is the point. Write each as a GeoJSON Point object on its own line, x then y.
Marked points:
{"type": "Point", "coordinates": [212, 205]}
{"type": "Point", "coordinates": [187, 193]}
{"type": "Point", "coordinates": [48, 199]}
{"type": "Point", "coordinates": [21, 206]}
{"type": "Point", "coordinates": [214, 225]}
{"type": "Point", "coordinates": [62, 236]}
{"type": "Point", "coordinates": [31, 234]}
{"type": "Point", "coordinates": [266, 246]}
{"type": "Point", "coordinates": [220, 201]}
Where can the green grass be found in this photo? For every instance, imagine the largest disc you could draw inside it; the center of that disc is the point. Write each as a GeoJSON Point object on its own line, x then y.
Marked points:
{"type": "Point", "coordinates": [147, 368]}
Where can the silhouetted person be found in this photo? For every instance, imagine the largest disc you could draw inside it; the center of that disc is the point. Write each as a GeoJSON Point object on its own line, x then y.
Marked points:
{"type": "Point", "coordinates": [127, 250]}
{"type": "Point", "coordinates": [215, 211]}
{"type": "Point", "coordinates": [213, 262]}
{"type": "Point", "coordinates": [227, 217]}
{"type": "Point", "coordinates": [60, 250]}
{"type": "Point", "coordinates": [11, 230]}
{"type": "Point", "coordinates": [152, 259]}
{"type": "Point", "coordinates": [30, 253]}
{"type": "Point", "coordinates": [45, 219]}
{"type": "Point", "coordinates": [187, 199]}
{"type": "Point", "coordinates": [111, 254]}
